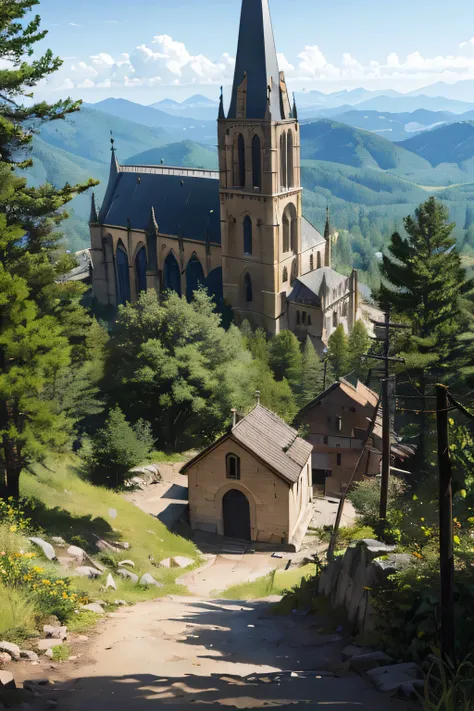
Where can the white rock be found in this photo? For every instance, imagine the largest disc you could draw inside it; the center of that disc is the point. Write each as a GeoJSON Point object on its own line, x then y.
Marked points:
{"type": "Point", "coordinates": [121, 603]}
{"type": "Point", "coordinates": [110, 582]}
{"type": "Point", "coordinates": [48, 643]}
{"type": "Point", "coordinates": [58, 540]}
{"type": "Point", "coordinates": [128, 562]}
{"type": "Point", "coordinates": [6, 680]}
{"type": "Point", "coordinates": [49, 653]}
{"type": "Point", "coordinates": [77, 553]}
{"type": "Point", "coordinates": [182, 562]}
{"type": "Point", "coordinates": [128, 575]}
{"type": "Point", "coordinates": [94, 607]}
{"type": "Point", "coordinates": [86, 571]}
{"type": "Point", "coordinates": [46, 547]}
{"type": "Point", "coordinates": [167, 563]}
{"type": "Point", "coordinates": [55, 632]}
{"type": "Point", "coordinates": [106, 547]}
{"type": "Point", "coordinates": [12, 649]}
{"type": "Point", "coordinates": [122, 544]}
{"type": "Point", "coordinates": [28, 654]}
{"type": "Point", "coordinates": [5, 658]}
{"type": "Point", "coordinates": [391, 678]}
{"type": "Point", "coordinates": [148, 579]}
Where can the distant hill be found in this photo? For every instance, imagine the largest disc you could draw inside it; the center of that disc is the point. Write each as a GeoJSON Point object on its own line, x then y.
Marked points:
{"type": "Point", "coordinates": [406, 103]}
{"type": "Point", "coordinates": [184, 153]}
{"type": "Point", "coordinates": [195, 107]}
{"type": "Point", "coordinates": [398, 126]}
{"type": "Point", "coordinates": [460, 90]}
{"type": "Point", "coordinates": [447, 144]}
{"type": "Point", "coordinates": [177, 126]}
{"type": "Point", "coordinates": [336, 142]}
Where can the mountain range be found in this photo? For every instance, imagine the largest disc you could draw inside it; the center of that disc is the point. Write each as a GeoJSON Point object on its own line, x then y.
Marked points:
{"type": "Point", "coordinates": [357, 172]}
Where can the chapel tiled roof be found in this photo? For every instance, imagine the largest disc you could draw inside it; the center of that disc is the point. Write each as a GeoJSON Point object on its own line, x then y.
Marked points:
{"type": "Point", "coordinates": [273, 441]}
{"type": "Point", "coordinates": [310, 236]}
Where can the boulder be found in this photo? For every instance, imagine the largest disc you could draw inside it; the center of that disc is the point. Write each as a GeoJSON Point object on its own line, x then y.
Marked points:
{"type": "Point", "coordinates": [147, 580]}
{"type": "Point", "coordinates": [55, 632]}
{"type": "Point", "coordinates": [390, 679]}
{"type": "Point", "coordinates": [374, 549]}
{"type": "Point", "coordinates": [46, 547]}
{"type": "Point", "coordinates": [128, 562]}
{"type": "Point", "coordinates": [363, 663]}
{"type": "Point", "coordinates": [6, 680]}
{"type": "Point", "coordinates": [86, 571]}
{"type": "Point", "coordinates": [355, 650]}
{"type": "Point", "coordinates": [110, 583]}
{"type": "Point", "coordinates": [12, 649]}
{"type": "Point", "coordinates": [77, 553]}
{"type": "Point", "coordinates": [28, 654]}
{"type": "Point", "coordinates": [121, 603]}
{"type": "Point", "coordinates": [128, 575]}
{"type": "Point", "coordinates": [5, 658]}
{"type": "Point", "coordinates": [94, 607]}
{"type": "Point", "coordinates": [49, 643]}
{"type": "Point", "coordinates": [106, 547]}
{"type": "Point", "coordinates": [167, 563]}
{"type": "Point", "coordinates": [123, 545]}
{"type": "Point", "coordinates": [182, 562]}
{"type": "Point", "coordinates": [58, 540]}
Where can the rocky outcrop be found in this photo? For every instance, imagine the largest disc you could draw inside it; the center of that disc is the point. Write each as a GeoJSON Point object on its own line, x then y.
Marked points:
{"type": "Point", "coordinates": [349, 581]}
{"type": "Point", "coordinates": [94, 607]}
{"type": "Point", "coordinates": [141, 477]}
{"type": "Point", "coordinates": [12, 649]}
{"type": "Point", "coordinates": [128, 575]}
{"type": "Point", "coordinates": [46, 547]}
{"type": "Point", "coordinates": [148, 580]}
{"type": "Point", "coordinates": [178, 561]}
{"type": "Point", "coordinates": [85, 571]}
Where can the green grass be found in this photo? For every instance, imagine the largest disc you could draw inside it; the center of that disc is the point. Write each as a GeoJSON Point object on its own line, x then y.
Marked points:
{"type": "Point", "coordinates": [84, 621]}
{"type": "Point", "coordinates": [74, 509]}
{"type": "Point", "coordinates": [17, 615]}
{"type": "Point", "coordinates": [61, 653]}
{"type": "Point", "coordinates": [158, 457]}
{"type": "Point", "coordinates": [275, 583]}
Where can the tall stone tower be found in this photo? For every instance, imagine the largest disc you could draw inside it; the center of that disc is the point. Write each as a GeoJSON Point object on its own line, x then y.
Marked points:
{"type": "Point", "coordinates": [260, 193]}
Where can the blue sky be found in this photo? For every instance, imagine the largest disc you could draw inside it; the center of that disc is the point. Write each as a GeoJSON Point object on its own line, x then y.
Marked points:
{"type": "Point", "coordinates": [150, 49]}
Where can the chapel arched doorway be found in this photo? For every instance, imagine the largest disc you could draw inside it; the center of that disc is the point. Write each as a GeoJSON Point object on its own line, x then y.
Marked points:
{"type": "Point", "coordinates": [236, 514]}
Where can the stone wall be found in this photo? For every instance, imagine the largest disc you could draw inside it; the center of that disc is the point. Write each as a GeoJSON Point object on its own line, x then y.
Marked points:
{"type": "Point", "coordinates": [348, 582]}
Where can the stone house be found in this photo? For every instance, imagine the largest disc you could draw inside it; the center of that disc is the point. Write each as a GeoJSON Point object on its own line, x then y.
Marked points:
{"type": "Point", "coordinates": [254, 483]}
{"type": "Point", "coordinates": [337, 422]}
{"type": "Point", "coordinates": [239, 231]}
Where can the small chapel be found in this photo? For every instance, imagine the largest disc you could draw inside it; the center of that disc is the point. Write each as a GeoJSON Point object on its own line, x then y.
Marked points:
{"type": "Point", "coordinates": [239, 231]}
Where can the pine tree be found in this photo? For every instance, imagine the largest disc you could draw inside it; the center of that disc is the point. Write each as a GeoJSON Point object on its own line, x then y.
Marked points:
{"type": "Point", "coordinates": [338, 352]}
{"type": "Point", "coordinates": [286, 360]}
{"type": "Point", "coordinates": [313, 374]}
{"type": "Point", "coordinates": [424, 282]}
{"type": "Point", "coordinates": [359, 344]}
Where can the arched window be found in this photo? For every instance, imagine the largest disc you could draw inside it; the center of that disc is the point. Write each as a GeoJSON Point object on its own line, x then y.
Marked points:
{"type": "Point", "coordinates": [232, 466]}
{"type": "Point", "coordinates": [334, 319]}
{"type": "Point", "coordinates": [140, 270]}
{"type": "Point", "coordinates": [319, 260]}
{"type": "Point", "coordinates": [241, 160]}
{"type": "Point", "coordinates": [247, 235]}
{"type": "Point", "coordinates": [285, 275]}
{"type": "Point", "coordinates": [123, 276]}
{"type": "Point", "coordinates": [283, 176]}
{"type": "Point", "coordinates": [172, 280]}
{"type": "Point", "coordinates": [286, 233]}
{"type": "Point", "coordinates": [289, 160]}
{"type": "Point", "coordinates": [194, 277]}
{"type": "Point", "coordinates": [294, 231]}
{"type": "Point", "coordinates": [294, 271]}
{"type": "Point", "coordinates": [248, 288]}
{"type": "Point", "coordinates": [256, 162]}
{"type": "Point", "coordinates": [311, 262]}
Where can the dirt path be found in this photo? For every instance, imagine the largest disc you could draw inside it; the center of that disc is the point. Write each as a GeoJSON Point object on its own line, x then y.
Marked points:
{"type": "Point", "coordinates": [189, 651]}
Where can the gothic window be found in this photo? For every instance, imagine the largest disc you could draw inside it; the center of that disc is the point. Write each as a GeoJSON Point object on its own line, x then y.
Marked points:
{"type": "Point", "coordinates": [285, 275]}
{"type": "Point", "coordinates": [256, 162]}
{"type": "Point", "coordinates": [232, 465]}
{"type": "Point", "coordinates": [334, 319]}
{"type": "Point", "coordinates": [248, 288]}
{"type": "Point", "coordinates": [294, 271]}
{"type": "Point", "coordinates": [311, 262]}
{"type": "Point", "coordinates": [319, 260]}
{"type": "Point", "coordinates": [286, 233]}
{"type": "Point", "coordinates": [140, 270]}
{"type": "Point", "coordinates": [172, 275]}
{"type": "Point", "coordinates": [298, 318]}
{"type": "Point", "coordinates": [241, 161]}
{"type": "Point", "coordinates": [247, 235]}
{"type": "Point", "coordinates": [194, 276]}
{"type": "Point", "coordinates": [304, 318]}
{"type": "Point", "coordinates": [339, 459]}
{"type": "Point", "coordinates": [294, 232]}
{"type": "Point", "coordinates": [283, 174]}
{"type": "Point", "coordinates": [123, 276]}
{"type": "Point", "coordinates": [289, 162]}
{"type": "Point", "coordinates": [309, 320]}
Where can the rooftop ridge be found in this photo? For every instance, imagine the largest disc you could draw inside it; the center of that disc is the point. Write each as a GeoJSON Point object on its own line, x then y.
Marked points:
{"type": "Point", "coordinates": [171, 170]}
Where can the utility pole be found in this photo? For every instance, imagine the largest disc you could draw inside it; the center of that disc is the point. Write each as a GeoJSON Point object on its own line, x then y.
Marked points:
{"type": "Point", "coordinates": [386, 418]}
{"type": "Point", "coordinates": [446, 546]}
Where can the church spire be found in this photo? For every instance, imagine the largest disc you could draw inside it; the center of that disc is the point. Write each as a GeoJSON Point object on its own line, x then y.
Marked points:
{"type": "Point", "coordinates": [221, 105]}
{"type": "Point", "coordinates": [327, 229]}
{"type": "Point", "coordinates": [256, 64]}
{"type": "Point", "coordinates": [94, 218]}
{"type": "Point", "coordinates": [113, 175]}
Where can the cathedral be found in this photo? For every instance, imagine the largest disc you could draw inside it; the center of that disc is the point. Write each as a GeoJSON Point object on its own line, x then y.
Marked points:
{"type": "Point", "coordinates": [240, 231]}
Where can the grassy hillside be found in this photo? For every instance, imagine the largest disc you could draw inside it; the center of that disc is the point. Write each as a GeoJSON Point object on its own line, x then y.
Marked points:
{"type": "Point", "coordinates": [447, 144]}
{"type": "Point", "coordinates": [184, 153]}
{"type": "Point", "coordinates": [395, 126]}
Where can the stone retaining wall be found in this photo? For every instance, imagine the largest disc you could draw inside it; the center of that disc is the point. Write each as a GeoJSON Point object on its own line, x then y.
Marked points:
{"type": "Point", "coordinates": [349, 580]}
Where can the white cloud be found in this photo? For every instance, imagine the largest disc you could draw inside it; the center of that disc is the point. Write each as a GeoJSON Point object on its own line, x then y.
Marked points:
{"type": "Point", "coordinates": [74, 24]}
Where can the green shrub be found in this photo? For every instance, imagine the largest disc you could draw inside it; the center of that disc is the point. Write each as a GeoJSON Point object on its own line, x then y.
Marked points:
{"type": "Point", "coordinates": [117, 448]}
{"type": "Point", "coordinates": [17, 614]}
{"type": "Point", "coordinates": [448, 688]}
{"type": "Point", "coordinates": [61, 653]}
{"type": "Point", "coordinates": [365, 497]}
{"type": "Point", "coordinates": [13, 515]}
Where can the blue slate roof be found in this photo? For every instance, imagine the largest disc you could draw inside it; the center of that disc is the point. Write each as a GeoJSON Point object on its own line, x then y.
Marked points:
{"type": "Point", "coordinates": [182, 201]}
{"type": "Point", "coordinates": [256, 56]}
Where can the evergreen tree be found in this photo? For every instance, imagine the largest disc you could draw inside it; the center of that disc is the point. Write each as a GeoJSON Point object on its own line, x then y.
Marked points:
{"type": "Point", "coordinates": [424, 282]}
{"type": "Point", "coordinates": [286, 360]}
{"type": "Point", "coordinates": [338, 352]}
{"type": "Point", "coordinates": [359, 345]}
{"type": "Point", "coordinates": [313, 374]}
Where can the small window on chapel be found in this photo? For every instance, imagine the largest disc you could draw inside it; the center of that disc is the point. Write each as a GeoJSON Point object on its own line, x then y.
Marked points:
{"type": "Point", "coordinates": [311, 262]}
{"type": "Point", "coordinates": [233, 466]}
{"type": "Point", "coordinates": [285, 275]}
{"type": "Point", "coordinates": [298, 317]}
{"type": "Point", "coordinates": [339, 460]}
